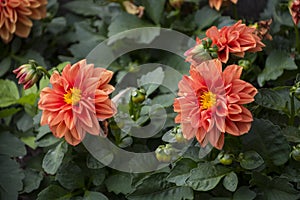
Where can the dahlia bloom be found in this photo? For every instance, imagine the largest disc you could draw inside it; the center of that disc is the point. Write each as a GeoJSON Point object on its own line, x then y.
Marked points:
{"type": "Point", "coordinates": [210, 103]}
{"type": "Point", "coordinates": [295, 11]}
{"type": "Point", "coordinates": [28, 75]}
{"type": "Point", "coordinates": [133, 9]}
{"type": "Point", "coordinates": [76, 101]}
{"type": "Point", "coordinates": [16, 15]}
{"type": "Point", "coordinates": [218, 3]}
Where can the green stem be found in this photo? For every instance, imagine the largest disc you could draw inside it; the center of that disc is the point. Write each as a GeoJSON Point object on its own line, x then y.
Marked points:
{"type": "Point", "coordinates": [40, 68]}
{"type": "Point", "coordinates": [17, 58]}
{"type": "Point", "coordinates": [292, 117]}
{"type": "Point", "coordinates": [297, 38]}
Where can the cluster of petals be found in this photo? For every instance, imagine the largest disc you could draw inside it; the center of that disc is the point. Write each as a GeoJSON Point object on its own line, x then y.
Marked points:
{"type": "Point", "coordinates": [235, 39]}
{"type": "Point", "coordinates": [211, 101]}
{"type": "Point", "coordinates": [218, 3]}
{"type": "Point", "coordinates": [295, 11]}
{"type": "Point", "coordinates": [16, 16]}
{"type": "Point", "coordinates": [27, 75]}
{"type": "Point", "coordinates": [77, 100]}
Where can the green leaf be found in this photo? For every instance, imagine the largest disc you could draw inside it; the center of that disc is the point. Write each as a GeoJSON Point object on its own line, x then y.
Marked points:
{"type": "Point", "coordinates": [70, 176]}
{"type": "Point", "coordinates": [267, 139]}
{"type": "Point", "coordinates": [125, 22]}
{"type": "Point", "coordinates": [243, 193]}
{"type": "Point", "coordinates": [25, 122]}
{"type": "Point", "coordinates": [57, 24]}
{"type": "Point", "coordinates": [181, 172]}
{"type": "Point", "coordinates": [8, 112]}
{"type": "Point", "coordinates": [9, 93]}
{"type": "Point", "coordinates": [11, 145]}
{"type": "Point", "coordinates": [53, 192]}
{"type": "Point", "coordinates": [164, 100]}
{"type": "Point", "coordinates": [29, 141]}
{"type": "Point", "coordinates": [152, 80]}
{"type": "Point", "coordinates": [32, 180]}
{"type": "Point", "coordinates": [98, 176]}
{"type": "Point", "coordinates": [276, 63]}
{"type": "Point", "coordinates": [292, 134]}
{"type": "Point", "coordinates": [46, 140]}
{"type": "Point", "coordinates": [276, 188]}
{"type": "Point", "coordinates": [28, 99]}
{"type": "Point", "coordinates": [206, 176]}
{"type": "Point", "coordinates": [93, 163]}
{"type": "Point", "coordinates": [154, 9]}
{"type": "Point", "coordinates": [231, 181]}
{"type": "Point", "coordinates": [156, 187]}
{"type": "Point", "coordinates": [84, 7]}
{"type": "Point", "coordinates": [271, 99]}
{"type": "Point", "coordinates": [54, 157]}
{"type": "Point", "coordinates": [89, 195]}
{"type": "Point", "coordinates": [10, 179]}
{"type": "Point", "coordinates": [119, 183]}
{"type": "Point", "coordinates": [251, 160]}
{"type": "Point", "coordinates": [5, 65]}
{"type": "Point", "coordinates": [205, 17]}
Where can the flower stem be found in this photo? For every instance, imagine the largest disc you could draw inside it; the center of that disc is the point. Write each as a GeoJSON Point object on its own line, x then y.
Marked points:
{"type": "Point", "coordinates": [40, 68]}
{"type": "Point", "coordinates": [292, 117]}
{"type": "Point", "coordinates": [297, 38]}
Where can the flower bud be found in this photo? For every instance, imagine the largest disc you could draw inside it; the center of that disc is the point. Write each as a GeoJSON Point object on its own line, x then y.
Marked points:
{"type": "Point", "coordinates": [27, 74]}
{"type": "Point", "coordinates": [296, 152]}
{"type": "Point", "coordinates": [244, 63]}
{"type": "Point", "coordinates": [164, 153]}
{"type": "Point", "coordinates": [138, 96]}
{"type": "Point", "coordinates": [225, 158]}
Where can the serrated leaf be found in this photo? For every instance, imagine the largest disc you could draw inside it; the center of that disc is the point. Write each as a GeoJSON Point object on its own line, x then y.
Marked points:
{"type": "Point", "coordinates": [154, 9]}
{"type": "Point", "coordinates": [53, 192]}
{"type": "Point", "coordinates": [276, 188]}
{"type": "Point", "coordinates": [11, 145]}
{"type": "Point", "coordinates": [244, 193]}
{"type": "Point", "coordinates": [9, 93]}
{"type": "Point", "coordinates": [156, 187]}
{"type": "Point", "coordinates": [32, 180]}
{"type": "Point", "coordinates": [10, 179]}
{"type": "Point", "coordinates": [152, 80]}
{"type": "Point", "coordinates": [205, 17]}
{"type": "Point", "coordinates": [251, 160]}
{"type": "Point", "coordinates": [206, 176]}
{"type": "Point", "coordinates": [276, 63]}
{"type": "Point", "coordinates": [181, 172]}
{"type": "Point", "coordinates": [89, 195]}
{"type": "Point", "coordinates": [57, 24]}
{"type": "Point", "coordinates": [54, 157]}
{"type": "Point", "coordinates": [231, 181]}
{"type": "Point", "coordinates": [267, 139]}
{"type": "Point", "coordinates": [70, 176]}
{"type": "Point", "coordinates": [119, 183]}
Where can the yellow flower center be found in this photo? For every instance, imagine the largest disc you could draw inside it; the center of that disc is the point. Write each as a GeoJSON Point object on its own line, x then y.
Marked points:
{"type": "Point", "coordinates": [73, 96]}
{"type": "Point", "coordinates": [208, 99]}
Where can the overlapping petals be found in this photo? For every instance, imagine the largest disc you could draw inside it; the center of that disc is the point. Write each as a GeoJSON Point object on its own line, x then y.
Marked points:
{"type": "Point", "coordinates": [16, 15]}
{"type": "Point", "coordinates": [295, 11]}
{"type": "Point", "coordinates": [76, 102]}
{"type": "Point", "coordinates": [218, 3]}
{"type": "Point", "coordinates": [210, 103]}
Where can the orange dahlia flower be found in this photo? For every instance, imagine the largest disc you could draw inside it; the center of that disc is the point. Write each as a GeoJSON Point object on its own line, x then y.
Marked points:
{"type": "Point", "coordinates": [235, 39]}
{"type": "Point", "coordinates": [76, 101]}
{"type": "Point", "coordinates": [210, 103]}
{"type": "Point", "coordinates": [295, 11]}
{"type": "Point", "coordinates": [16, 15]}
{"type": "Point", "coordinates": [218, 3]}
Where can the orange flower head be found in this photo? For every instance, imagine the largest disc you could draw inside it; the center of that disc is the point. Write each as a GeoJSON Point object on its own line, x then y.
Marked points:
{"type": "Point", "coordinates": [235, 39]}
{"type": "Point", "coordinates": [295, 11]}
{"type": "Point", "coordinates": [218, 3]}
{"type": "Point", "coordinates": [16, 15]}
{"type": "Point", "coordinates": [76, 102]}
{"type": "Point", "coordinates": [210, 103]}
